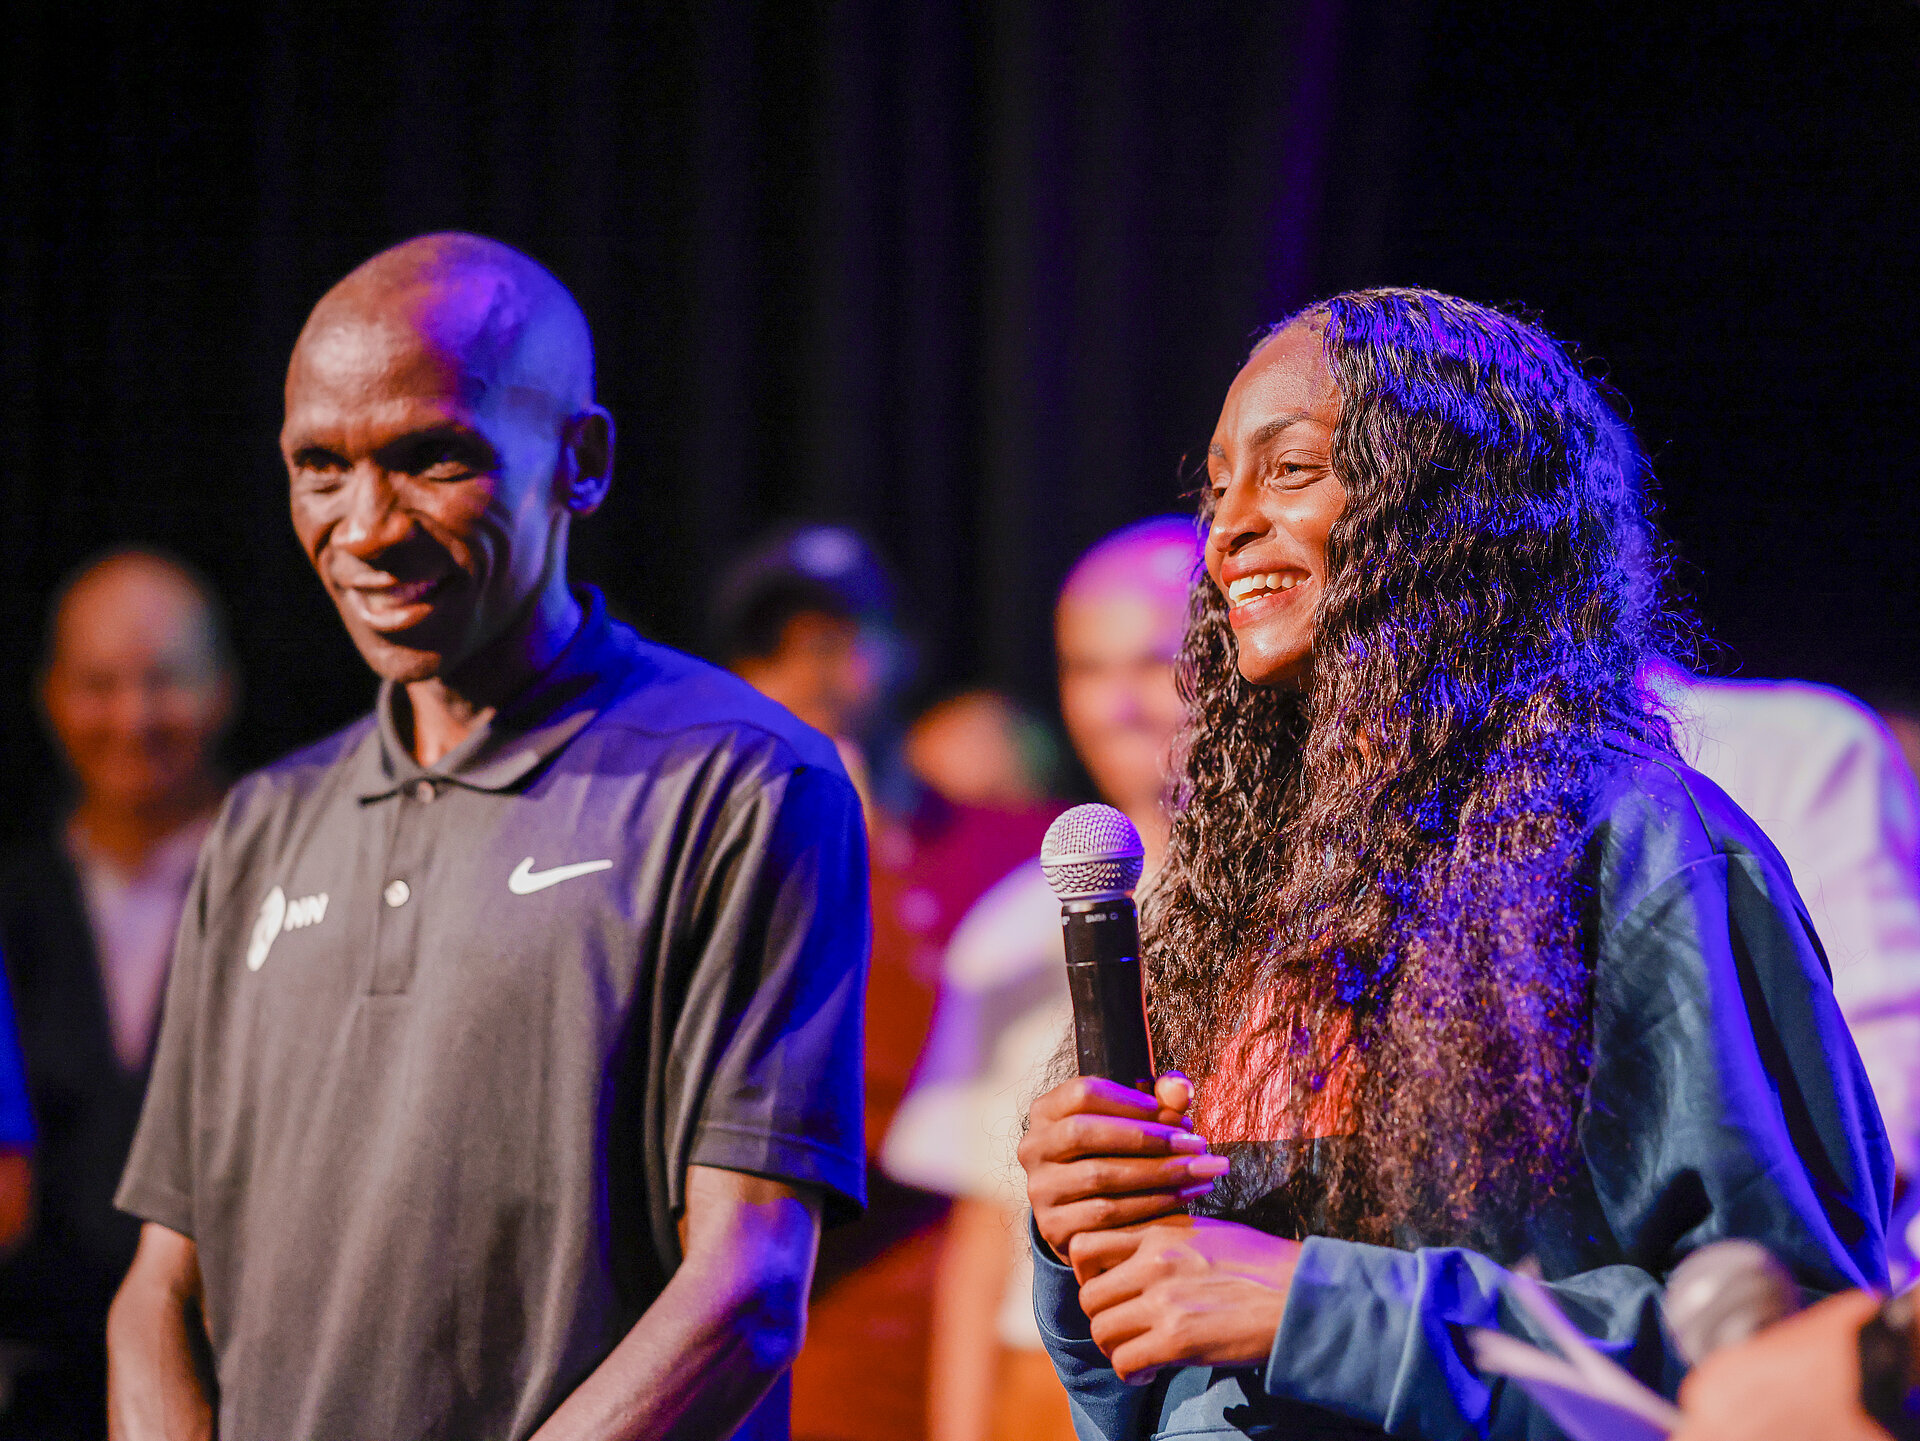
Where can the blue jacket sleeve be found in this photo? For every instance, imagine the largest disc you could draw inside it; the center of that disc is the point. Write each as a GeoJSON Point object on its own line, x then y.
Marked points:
{"type": "Point", "coordinates": [1726, 1100]}
{"type": "Point", "coordinates": [16, 1116]}
{"type": "Point", "coordinates": [1105, 1408]}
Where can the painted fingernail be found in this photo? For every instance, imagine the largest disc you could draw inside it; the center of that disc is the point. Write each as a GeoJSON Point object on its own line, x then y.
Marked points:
{"type": "Point", "coordinates": [1209, 1166]}
{"type": "Point", "coordinates": [1185, 1142]}
{"type": "Point", "coordinates": [1193, 1193]}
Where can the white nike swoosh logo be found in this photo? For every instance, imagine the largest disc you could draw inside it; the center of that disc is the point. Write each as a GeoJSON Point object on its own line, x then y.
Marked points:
{"type": "Point", "coordinates": [525, 880]}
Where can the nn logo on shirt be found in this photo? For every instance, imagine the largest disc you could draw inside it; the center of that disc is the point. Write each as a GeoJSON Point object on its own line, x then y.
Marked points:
{"type": "Point", "coordinates": [278, 914]}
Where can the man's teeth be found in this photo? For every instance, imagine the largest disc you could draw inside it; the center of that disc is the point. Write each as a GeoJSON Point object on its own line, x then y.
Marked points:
{"type": "Point", "coordinates": [1248, 586]}
{"type": "Point", "coordinates": [399, 592]}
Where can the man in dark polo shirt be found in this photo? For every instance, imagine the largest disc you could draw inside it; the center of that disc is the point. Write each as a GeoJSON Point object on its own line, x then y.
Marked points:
{"type": "Point", "coordinates": [511, 1051]}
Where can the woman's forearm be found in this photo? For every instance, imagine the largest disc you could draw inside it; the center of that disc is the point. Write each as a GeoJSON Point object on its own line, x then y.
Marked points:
{"type": "Point", "coordinates": [1367, 1329]}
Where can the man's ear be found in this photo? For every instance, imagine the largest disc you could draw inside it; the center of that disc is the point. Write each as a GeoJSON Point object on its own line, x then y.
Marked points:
{"type": "Point", "coordinates": [586, 460]}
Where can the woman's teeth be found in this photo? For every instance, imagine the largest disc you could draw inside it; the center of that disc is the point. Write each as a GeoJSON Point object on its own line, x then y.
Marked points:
{"type": "Point", "coordinates": [1248, 586]}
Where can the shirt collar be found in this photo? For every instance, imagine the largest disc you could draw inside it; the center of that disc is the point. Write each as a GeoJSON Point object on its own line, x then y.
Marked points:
{"type": "Point", "coordinates": [522, 735]}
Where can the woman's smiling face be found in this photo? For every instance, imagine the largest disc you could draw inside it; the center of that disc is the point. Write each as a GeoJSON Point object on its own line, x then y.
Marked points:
{"type": "Point", "coordinates": [1275, 498]}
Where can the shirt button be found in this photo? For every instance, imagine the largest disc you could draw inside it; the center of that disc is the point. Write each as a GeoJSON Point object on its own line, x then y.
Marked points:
{"type": "Point", "coordinates": [423, 791]}
{"type": "Point", "coordinates": [397, 893]}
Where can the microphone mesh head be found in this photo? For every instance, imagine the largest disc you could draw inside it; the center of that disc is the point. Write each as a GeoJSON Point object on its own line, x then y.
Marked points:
{"type": "Point", "coordinates": [1090, 852]}
{"type": "Point", "coordinates": [1724, 1293]}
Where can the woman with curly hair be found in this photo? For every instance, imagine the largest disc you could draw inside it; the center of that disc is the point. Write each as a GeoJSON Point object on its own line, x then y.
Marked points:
{"type": "Point", "coordinates": [1464, 965]}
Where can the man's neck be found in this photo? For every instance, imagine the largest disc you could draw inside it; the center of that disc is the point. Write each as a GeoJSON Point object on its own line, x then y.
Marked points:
{"type": "Point", "coordinates": [128, 835]}
{"type": "Point", "coordinates": [447, 709]}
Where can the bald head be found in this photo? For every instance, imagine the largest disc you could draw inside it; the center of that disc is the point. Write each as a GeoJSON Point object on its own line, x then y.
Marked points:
{"type": "Point", "coordinates": [1118, 629]}
{"type": "Point", "coordinates": [1154, 558]}
{"type": "Point", "coordinates": [440, 437]}
{"type": "Point", "coordinates": [137, 686]}
{"type": "Point", "coordinates": [505, 318]}
{"type": "Point", "coordinates": [136, 591]}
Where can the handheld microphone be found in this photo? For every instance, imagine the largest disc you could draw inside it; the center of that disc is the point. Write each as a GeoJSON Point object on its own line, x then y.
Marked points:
{"type": "Point", "coordinates": [1092, 859]}
{"type": "Point", "coordinates": [1724, 1293]}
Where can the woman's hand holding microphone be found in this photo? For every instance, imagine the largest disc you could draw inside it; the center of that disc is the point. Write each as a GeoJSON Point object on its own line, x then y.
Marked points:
{"type": "Point", "coordinates": [1110, 1171]}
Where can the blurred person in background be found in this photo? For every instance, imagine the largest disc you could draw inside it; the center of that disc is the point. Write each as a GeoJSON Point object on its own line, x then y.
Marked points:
{"type": "Point", "coordinates": [982, 748]}
{"type": "Point", "coordinates": [1901, 714]}
{"type": "Point", "coordinates": [1003, 1003]}
{"type": "Point", "coordinates": [138, 687]}
{"type": "Point", "coordinates": [16, 1141]}
{"type": "Point", "coordinates": [1900, 710]}
{"type": "Point", "coordinates": [806, 617]}
{"type": "Point", "coordinates": [809, 617]}
{"type": "Point", "coordinates": [16, 1175]}
{"type": "Point", "coordinates": [1830, 787]}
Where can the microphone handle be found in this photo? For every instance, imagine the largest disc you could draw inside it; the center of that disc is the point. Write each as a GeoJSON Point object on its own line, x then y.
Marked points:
{"type": "Point", "coordinates": [1109, 999]}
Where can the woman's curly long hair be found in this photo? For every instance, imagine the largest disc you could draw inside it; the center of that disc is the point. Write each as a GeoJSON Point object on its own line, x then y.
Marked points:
{"type": "Point", "coordinates": [1372, 900]}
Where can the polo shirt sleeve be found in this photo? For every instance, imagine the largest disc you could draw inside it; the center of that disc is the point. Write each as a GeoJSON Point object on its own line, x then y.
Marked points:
{"type": "Point", "coordinates": [157, 1184]}
{"type": "Point", "coordinates": [769, 1044]}
{"type": "Point", "coordinates": [16, 1117]}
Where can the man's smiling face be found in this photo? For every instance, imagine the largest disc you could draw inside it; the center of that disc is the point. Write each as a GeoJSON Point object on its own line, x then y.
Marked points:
{"type": "Point", "coordinates": [425, 480]}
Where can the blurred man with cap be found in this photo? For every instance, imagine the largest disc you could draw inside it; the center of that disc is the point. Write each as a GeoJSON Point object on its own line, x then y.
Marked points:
{"type": "Point", "coordinates": [808, 616]}
{"type": "Point", "coordinates": [137, 688]}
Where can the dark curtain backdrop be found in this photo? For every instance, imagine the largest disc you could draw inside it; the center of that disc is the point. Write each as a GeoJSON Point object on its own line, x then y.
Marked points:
{"type": "Point", "coordinates": [973, 276]}
{"type": "Point", "coordinates": [1721, 203]}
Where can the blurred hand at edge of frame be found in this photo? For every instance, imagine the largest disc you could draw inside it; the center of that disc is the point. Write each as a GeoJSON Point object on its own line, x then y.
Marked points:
{"type": "Point", "coordinates": [1796, 1381]}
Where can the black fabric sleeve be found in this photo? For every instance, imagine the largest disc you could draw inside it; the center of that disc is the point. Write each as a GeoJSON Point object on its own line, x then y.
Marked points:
{"type": "Point", "coordinates": [768, 1051]}
{"type": "Point", "coordinates": [157, 1184]}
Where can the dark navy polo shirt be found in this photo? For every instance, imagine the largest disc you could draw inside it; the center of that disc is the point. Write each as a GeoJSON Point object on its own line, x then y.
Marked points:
{"type": "Point", "coordinates": [440, 1044]}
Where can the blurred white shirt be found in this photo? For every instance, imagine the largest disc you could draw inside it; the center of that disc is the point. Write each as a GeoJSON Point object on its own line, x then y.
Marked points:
{"type": "Point", "coordinates": [1827, 783]}
{"type": "Point", "coordinates": [133, 916]}
{"type": "Point", "coordinates": [1002, 1016]}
